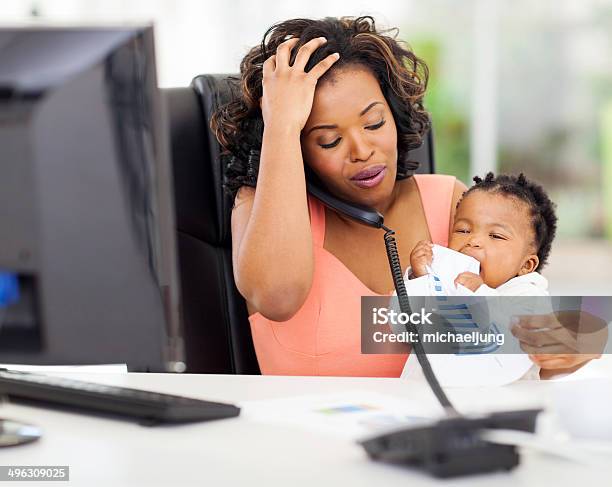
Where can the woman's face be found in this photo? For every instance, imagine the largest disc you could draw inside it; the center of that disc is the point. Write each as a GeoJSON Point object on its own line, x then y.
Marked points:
{"type": "Point", "coordinates": [350, 138]}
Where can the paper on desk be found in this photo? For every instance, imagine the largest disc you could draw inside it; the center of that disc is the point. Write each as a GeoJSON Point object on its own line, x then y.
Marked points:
{"type": "Point", "coordinates": [352, 414]}
{"type": "Point", "coordinates": [43, 369]}
{"type": "Point", "coordinates": [447, 264]}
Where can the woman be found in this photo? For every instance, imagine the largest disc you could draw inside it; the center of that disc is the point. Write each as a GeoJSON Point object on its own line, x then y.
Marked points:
{"type": "Point", "coordinates": [341, 102]}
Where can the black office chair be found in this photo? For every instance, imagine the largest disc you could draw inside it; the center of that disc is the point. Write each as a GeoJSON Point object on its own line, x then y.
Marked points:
{"type": "Point", "coordinates": [215, 321]}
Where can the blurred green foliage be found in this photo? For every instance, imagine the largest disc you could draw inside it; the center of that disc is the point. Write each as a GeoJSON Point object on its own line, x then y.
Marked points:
{"type": "Point", "coordinates": [449, 120]}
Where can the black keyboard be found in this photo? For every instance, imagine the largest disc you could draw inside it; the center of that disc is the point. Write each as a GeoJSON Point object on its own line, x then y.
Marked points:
{"type": "Point", "coordinates": [148, 407]}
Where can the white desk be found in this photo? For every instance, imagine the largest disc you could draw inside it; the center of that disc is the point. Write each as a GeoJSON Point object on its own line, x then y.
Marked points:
{"type": "Point", "coordinates": [246, 453]}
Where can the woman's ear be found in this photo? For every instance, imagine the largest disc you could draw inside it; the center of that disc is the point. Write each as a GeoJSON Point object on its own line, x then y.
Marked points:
{"type": "Point", "coordinates": [529, 265]}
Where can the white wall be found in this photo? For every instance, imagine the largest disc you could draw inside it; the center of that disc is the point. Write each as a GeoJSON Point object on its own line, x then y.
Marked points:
{"type": "Point", "coordinates": [199, 36]}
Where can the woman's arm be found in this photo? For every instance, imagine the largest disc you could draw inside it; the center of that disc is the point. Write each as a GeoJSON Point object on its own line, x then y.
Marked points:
{"type": "Point", "coordinates": [271, 238]}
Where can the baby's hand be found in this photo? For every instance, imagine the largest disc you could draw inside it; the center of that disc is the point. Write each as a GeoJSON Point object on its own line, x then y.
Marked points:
{"type": "Point", "coordinates": [421, 257]}
{"type": "Point", "coordinates": [470, 280]}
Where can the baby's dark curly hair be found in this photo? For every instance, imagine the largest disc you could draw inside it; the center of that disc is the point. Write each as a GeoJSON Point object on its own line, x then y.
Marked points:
{"type": "Point", "coordinates": [402, 76]}
{"type": "Point", "coordinates": [543, 217]}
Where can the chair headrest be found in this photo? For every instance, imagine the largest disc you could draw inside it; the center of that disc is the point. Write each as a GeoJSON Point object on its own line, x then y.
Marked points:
{"type": "Point", "coordinates": [214, 90]}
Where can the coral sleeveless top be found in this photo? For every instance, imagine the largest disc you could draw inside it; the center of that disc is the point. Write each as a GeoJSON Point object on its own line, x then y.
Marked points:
{"type": "Point", "coordinates": [324, 336]}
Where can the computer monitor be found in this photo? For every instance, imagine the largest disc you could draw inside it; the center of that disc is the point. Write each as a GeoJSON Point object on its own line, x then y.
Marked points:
{"type": "Point", "coordinates": [87, 243]}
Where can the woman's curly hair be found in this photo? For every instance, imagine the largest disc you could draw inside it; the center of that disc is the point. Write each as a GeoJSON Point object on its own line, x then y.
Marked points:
{"type": "Point", "coordinates": [542, 209]}
{"type": "Point", "coordinates": [403, 77]}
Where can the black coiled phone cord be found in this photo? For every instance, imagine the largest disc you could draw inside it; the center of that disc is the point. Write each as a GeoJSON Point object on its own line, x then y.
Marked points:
{"type": "Point", "coordinates": [402, 295]}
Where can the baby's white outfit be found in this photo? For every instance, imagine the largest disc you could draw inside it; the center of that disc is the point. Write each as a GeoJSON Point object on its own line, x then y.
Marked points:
{"type": "Point", "coordinates": [447, 264]}
{"type": "Point", "coordinates": [473, 369]}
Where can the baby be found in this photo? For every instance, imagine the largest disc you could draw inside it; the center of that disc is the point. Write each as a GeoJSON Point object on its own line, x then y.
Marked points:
{"type": "Point", "coordinates": [507, 224]}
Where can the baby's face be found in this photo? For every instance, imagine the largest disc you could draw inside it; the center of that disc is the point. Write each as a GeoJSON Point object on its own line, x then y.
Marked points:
{"type": "Point", "coordinates": [496, 230]}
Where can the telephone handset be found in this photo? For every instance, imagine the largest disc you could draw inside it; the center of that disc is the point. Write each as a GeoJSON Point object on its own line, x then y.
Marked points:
{"type": "Point", "coordinates": [362, 214]}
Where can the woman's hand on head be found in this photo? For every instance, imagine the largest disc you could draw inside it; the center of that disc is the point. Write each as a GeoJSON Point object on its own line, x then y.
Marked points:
{"type": "Point", "coordinates": [288, 91]}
